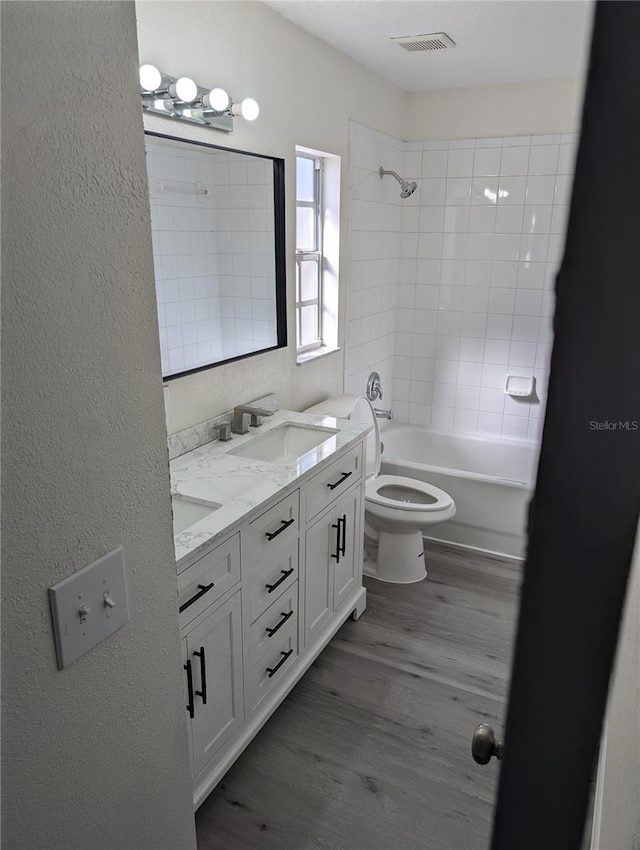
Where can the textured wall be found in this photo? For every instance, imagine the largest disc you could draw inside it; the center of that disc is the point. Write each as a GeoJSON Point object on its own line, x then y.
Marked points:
{"type": "Point", "coordinates": [96, 755]}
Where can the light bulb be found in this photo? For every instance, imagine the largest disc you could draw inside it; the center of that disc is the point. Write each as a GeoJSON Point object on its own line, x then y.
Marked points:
{"type": "Point", "coordinates": [250, 109]}
{"type": "Point", "coordinates": [184, 89]}
{"type": "Point", "coordinates": [216, 99]}
{"type": "Point", "coordinates": [150, 78]}
{"type": "Point", "coordinates": [247, 108]}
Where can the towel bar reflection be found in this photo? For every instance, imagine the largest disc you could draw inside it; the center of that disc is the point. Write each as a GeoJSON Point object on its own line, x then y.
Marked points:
{"type": "Point", "coordinates": [200, 191]}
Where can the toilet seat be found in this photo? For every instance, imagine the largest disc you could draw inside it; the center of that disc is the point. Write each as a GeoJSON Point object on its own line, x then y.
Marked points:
{"type": "Point", "coordinates": [398, 510]}
{"type": "Point", "coordinates": [375, 484]}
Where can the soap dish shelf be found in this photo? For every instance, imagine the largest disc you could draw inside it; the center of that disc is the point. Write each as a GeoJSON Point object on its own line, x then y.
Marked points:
{"type": "Point", "coordinates": [520, 386]}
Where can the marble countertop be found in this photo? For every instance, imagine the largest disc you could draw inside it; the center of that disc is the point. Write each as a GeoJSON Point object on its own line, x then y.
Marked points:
{"type": "Point", "coordinates": [242, 485]}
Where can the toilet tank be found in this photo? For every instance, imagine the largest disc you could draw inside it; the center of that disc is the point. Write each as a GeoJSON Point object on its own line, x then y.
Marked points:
{"type": "Point", "coordinates": [357, 409]}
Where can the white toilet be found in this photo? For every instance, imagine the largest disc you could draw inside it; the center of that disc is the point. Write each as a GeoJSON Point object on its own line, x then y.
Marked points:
{"type": "Point", "coordinates": [397, 509]}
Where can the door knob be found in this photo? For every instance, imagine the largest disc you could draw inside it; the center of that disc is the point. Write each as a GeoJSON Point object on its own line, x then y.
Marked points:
{"type": "Point", "coordinates": [484, 744]}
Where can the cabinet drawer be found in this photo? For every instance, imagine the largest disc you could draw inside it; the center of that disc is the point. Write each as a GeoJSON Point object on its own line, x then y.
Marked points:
{"type": "Point", "coordinates": [266, 535]}
{"type": "Point", "coordinates": [333, 481]}
{"type": "Point", "coordinates": [271, 579]}
{"type": "Point", "coordinates": [275, 621]}
{"type": "Point", "coordinates": [272, 666]}
{"type": "Point", "coordinates": [208, 579]}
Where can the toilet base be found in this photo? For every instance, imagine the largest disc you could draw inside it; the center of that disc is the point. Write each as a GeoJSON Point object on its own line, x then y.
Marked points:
{"type": "Point", "coordinates": [400, 558]}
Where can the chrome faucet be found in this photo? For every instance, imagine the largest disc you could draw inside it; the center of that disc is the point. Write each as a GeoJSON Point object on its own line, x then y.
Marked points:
{"type": "Point", "coordinates": [239, 423]}
{"type": "Point", "coordinates": [383, 414]}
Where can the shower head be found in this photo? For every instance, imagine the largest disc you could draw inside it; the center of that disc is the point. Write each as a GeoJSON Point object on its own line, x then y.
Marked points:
{"type": "Point", "coordinates": [406, 188]}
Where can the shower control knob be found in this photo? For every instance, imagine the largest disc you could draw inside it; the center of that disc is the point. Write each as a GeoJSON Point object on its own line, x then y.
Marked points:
{"type": "Point", "coordinates": [374, 387]}
{"type": "Point", "coordinates": [484, 744]}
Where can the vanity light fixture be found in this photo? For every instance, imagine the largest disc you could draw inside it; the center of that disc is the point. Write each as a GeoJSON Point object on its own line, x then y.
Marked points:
{"type": "Point", "coordinates": [181, 98]}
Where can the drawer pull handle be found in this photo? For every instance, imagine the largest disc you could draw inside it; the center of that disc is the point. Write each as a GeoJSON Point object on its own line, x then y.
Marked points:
{"type": "Point", "coordinates": [285, 575]}
{"type": "Point", "coordinates": [285, 524]}
{"type": "Point", "coordinates": [203, 676]}
{"type": "Point", "coordinates": [204, 588]}
{"type": "Point", "coordinates": [273, 670]}
{"type": "Point", "coordinates": [285, 617]}
{"type": "Point", "coordinates": [190, 706]}
{"type": "Point", "coordinates": [340, 480]}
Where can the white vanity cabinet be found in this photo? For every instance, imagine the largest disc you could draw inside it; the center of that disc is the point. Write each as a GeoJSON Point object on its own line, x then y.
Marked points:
{"type": "Point", "coordinates": [213, 663]}
{"type": "Point", "coordinates": [333, 539]}
{"type": "Point", "coordinates": [259, 606]}
{"type": "Point", "coordinates": [271, 570]}
{"type": "Point", "coordinates": [210, 608]}
{"type": "Point", "coordinates": [208, 579]}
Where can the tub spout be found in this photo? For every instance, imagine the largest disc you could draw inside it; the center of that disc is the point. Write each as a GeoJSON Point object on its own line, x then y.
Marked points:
{"type": "Point", "coordinates": [383, 414]}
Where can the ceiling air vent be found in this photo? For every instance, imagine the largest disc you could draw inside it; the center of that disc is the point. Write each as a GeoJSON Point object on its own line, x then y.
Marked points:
{"type": "Point", "coordinates": [430, 41]}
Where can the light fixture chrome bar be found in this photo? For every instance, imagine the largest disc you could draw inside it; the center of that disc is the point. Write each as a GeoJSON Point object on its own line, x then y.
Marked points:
{"type": "Point", "coordinates": [168, 107]}
{"type": "Point", "coordinates": [161, 95]}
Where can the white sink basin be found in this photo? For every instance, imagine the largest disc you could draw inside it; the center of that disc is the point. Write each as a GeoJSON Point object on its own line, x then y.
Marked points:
{"type": "Point", "coordinates": [186, 512]}
{"type": "Point", "coordinates": [286, 443]}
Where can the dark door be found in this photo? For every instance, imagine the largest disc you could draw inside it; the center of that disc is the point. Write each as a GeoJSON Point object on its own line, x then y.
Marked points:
{"type": "Point", "coordinates": [584, 514]}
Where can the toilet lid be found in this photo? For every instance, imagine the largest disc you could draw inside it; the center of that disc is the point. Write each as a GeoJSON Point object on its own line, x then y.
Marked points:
{"type": "Point", "coordinates": [362, 412]}
{"type": "Point", "coordinates": [396, 491]}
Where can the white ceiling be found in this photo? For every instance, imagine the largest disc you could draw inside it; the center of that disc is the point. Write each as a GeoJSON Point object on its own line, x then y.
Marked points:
{"type": "Point", "coordinates": [497, 41]}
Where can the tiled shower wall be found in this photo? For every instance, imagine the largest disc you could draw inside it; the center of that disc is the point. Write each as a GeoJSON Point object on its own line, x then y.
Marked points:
{"type": "Point", "coordinates": [481, 240]}
{"type": "Point", "coordinates": [375, 244]}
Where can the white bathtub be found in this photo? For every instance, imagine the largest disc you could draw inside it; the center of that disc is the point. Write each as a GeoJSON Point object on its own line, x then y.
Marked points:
{"type": "Point", "coordinates": [490, 480]}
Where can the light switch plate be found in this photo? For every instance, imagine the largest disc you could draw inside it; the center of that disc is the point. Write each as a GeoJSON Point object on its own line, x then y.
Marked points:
{"type": "Point", "coordinates": [88, 606]}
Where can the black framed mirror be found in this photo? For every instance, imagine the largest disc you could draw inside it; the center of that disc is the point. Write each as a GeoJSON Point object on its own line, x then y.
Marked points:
{"type": "Point", "coordinates": [218, 233]}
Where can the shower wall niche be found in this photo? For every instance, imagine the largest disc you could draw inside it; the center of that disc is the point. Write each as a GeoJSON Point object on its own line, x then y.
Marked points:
{"type": "Point", "coordinates": [215, 235]}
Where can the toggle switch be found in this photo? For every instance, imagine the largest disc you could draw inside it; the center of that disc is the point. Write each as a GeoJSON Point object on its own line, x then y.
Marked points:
{"type": "Point", "coordinates": [88, 606]}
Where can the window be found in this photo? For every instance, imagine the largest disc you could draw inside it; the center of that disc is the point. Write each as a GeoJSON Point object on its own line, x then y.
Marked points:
{"type": "Point", "coordinates": [308, 252]}
{"type": "Point", "coordinates": [317, 250]}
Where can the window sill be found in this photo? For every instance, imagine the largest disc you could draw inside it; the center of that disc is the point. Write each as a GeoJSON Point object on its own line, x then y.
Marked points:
{"type": "Point", "coordinates": [306, 356]}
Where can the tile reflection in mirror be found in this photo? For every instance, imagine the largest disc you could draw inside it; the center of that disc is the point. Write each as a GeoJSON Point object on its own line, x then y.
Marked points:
{"type": "Point", "coordinates": [217, 233]}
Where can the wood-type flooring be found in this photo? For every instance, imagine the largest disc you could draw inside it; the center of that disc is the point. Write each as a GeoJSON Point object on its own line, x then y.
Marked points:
{"type": "Point", "coordinates": [371, 749]}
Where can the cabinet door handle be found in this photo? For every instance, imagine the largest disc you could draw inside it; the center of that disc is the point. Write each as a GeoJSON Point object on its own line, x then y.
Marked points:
{"type": "Point", "coordinates": [190, 706]}
{"type": "Point", "coordinates": [283, 577]}
{"type": "Point", "coordinates": [340, 480]}
{"type": "Point", "coordinates": [339, 551]}
{"type": "Point", "coordinates": [273, 670]}
{"type": "Point", "coordinates": [285, 617]}
{"type": "Point", "coordinates": [203, 676]}
{"type": "Point", "coordinates": [204, 588]}
{"type": "Point", "coordinates": [285, 524]}
{"type": "Point", "coordinates": [343, 545]}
